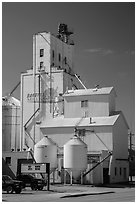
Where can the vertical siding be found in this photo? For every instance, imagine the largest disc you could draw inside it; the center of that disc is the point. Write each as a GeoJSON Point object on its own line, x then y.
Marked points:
{"type": "Point", "coordinates": [120, 139]}
{"type": "Point", "coordinates": [62, 134]}
{"type": "Point", "coordinates": [49, 43]}
{"type": "Point", "coordinates": [41, 43]}
{"type": "Point", "coordinates": [94, 143]}
{"type": "Point", "coordinates": [27, 107]}
{"type": "Point", "coordinates": [112, 103]}
{"type": "Point", "coordinates": [14, 159]}
{"type": "Point", "coordinates": [98, 106]}
{"type": "Point", "coordinates": [11, 128]}
{"type": "Point", "coordinates": [64, 50]}
{"type": "Point", "coordinates": [120, 151]}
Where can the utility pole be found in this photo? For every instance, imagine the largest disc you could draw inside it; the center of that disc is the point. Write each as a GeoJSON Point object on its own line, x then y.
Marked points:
{"type": "Point", "coordinates": [130, 154]}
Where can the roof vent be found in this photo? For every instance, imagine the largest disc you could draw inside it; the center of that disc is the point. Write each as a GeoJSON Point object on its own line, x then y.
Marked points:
{"type": "Point", "coordinates": [91, 121]}
{"type": "Point", "coordinates": [96, 87]}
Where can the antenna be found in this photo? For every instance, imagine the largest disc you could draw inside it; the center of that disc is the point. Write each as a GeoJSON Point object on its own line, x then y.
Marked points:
{"type": "Point", "coordinates": [64, 33]}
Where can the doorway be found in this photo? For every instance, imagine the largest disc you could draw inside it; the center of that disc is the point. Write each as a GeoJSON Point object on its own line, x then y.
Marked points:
{"type": "Point", "coordinates": [105, 175]}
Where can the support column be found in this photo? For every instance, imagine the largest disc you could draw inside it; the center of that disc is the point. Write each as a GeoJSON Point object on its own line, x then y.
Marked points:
{"type": "Point", "coordinates": [64, 176]}
{"type": "Point", "coordinates": [71, 178]}
{"type": "Point", "coordinates": [81, 177]}
{"type": "Point", "coordinates": [53, 177]}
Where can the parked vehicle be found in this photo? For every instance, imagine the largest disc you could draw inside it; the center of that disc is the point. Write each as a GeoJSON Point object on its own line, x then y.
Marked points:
{"type": "Point", "coordinates": [10, 185]}
{"type": "Point", "coordinates": [32, 181]}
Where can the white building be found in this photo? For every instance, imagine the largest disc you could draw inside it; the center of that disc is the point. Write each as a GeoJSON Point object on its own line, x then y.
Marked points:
{"type": "Point", "coordinates": [95, 102]}
{"type": "Point", "coordinates": [102, 134]}
{"type": "Point", "coordinates": [43, 86]}
{"type": "Point", "coordinates": [53, 103]}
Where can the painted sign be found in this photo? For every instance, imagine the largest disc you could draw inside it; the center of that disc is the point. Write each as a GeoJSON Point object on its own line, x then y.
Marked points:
{"type": "Point", "coordinates": [46, 97]}
{"type": "Point", "coordinates": [33, 168]}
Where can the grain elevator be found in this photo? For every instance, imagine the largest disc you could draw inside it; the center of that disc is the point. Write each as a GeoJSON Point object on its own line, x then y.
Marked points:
{"type": "Point", "coordinates": [78, 130]}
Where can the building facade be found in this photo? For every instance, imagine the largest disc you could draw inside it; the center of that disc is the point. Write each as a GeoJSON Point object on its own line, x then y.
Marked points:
{"type": "Point", "coordinates": [43, 86]}
{"type": "Point", "coordinates": [55, 102]}
{"type": "Point", "coordinates": [103, 134]}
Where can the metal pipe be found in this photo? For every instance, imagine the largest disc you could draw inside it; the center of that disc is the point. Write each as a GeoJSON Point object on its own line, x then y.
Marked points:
{"type": "Point", "coordinates": [93, 131]}
{"type": "Point", "coordinates": [34, 80]}
{"type": "Point", "coordinates": [97, 164]}
{"type": "Point", "coordinates": [14, 88]}
{"type": "Point", "coordinates": [80, 81]}
{"type": "Point", "coordinates": [39, 91]}
{"type": "Point", "coordinates": [81, 177]}
{"type": "Point", "coordinates": [31, 117]}
{"type": "Point", "coordinates": [71, 178]}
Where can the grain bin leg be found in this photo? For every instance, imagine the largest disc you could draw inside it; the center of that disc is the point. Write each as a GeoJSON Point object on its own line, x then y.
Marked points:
{"type": "Point", "coordinates": [71, 178]}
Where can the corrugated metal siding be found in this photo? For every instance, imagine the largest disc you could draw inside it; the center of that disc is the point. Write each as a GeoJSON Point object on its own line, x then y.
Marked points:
{"type": "Point", "coordinates": [98, 105]}
{"type": "Point", "coordinates": [94, 143]}
{"type": "Point", "coordinates": [62, 135]}
{"type": "Point", "coordinates": [120, 138]}
{"type": "Point", "coordinates": [11, 128]}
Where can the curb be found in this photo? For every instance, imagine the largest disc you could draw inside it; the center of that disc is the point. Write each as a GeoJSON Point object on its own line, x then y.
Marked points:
{"type": "Point", "coordinates": [85, 194]}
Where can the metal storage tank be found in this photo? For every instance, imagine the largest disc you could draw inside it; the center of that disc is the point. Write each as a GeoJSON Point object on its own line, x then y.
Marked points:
{"type": "Point", "coordinates": [45, 151]}
{"type": "Point", "coordinates": [75, 156]}
{"type": "Point", "coordinates": [10, 124]}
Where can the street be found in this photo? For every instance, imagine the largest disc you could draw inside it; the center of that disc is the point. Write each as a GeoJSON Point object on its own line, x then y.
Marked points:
{"type": "Point", "coordinates": [111, 197]}
{"type": "Point", "coordinates": [95, 194]}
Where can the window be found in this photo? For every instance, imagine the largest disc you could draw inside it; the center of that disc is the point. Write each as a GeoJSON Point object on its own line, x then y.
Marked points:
{"type": "Point", "coordinates": [59, 57]}
{"type": "Point", "coordinates": [53, 54]}
{"type": "Point", "coordinates": [8, 160]}
{"type": "Point", "coordinates": [115, 171]}
{"type": "Point", "coordinates": [65, 59]}
{"type": "Point", "coordinates": [125, 173]}
{"type": "Point", "coordinates": [120, 172]}
{"type": "Point", "coordinates": [41, 52]}
{"type": "Point", "coordinates": [41, 64]}
{"type": "Point", "coordinates": [84, 103]}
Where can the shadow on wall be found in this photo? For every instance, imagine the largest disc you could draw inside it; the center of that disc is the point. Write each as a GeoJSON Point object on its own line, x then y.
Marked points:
{"type": "Point", "coordinates": [6, 169]}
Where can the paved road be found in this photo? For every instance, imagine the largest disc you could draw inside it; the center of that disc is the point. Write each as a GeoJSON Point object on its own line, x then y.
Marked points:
{"type": "Point", "coordinates": [113, 195]}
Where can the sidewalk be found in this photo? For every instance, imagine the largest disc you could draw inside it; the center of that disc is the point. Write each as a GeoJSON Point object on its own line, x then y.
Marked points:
{"type": "Point", "coordinates": [74, 190]}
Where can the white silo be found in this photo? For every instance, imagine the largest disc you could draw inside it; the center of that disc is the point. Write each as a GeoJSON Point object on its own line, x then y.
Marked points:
{"type": "Point", "coordinates": [75, 156]}
{"type": "Point", "coordinates": [45, 151]}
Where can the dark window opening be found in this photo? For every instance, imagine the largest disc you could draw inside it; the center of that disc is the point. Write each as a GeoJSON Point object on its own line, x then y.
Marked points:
{"type": "Point", "coordinates": [41, 52]}
{"type": "Point", "coordinates": [59, 57]}
{"type": "Point", "coordinates": [115, 171]}
{"type": "Point", "coordinates": [8, 160]}
{"type": "Point", "coordinates": [41, 64]}
{"type": "Point", "coordinates": [125, 173]}
{"type": "Point", "coordinates": [65, 59]}
{"type": "Point", "coordinates": [53, 54]}
{"type": "Point", "coordinates": [120, 171]}
{"type": "Point", "coordinates": [84, 103]}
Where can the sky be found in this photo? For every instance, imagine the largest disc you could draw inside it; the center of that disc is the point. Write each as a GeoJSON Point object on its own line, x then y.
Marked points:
{"type": "Point", "coordinates": [104, 36]}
